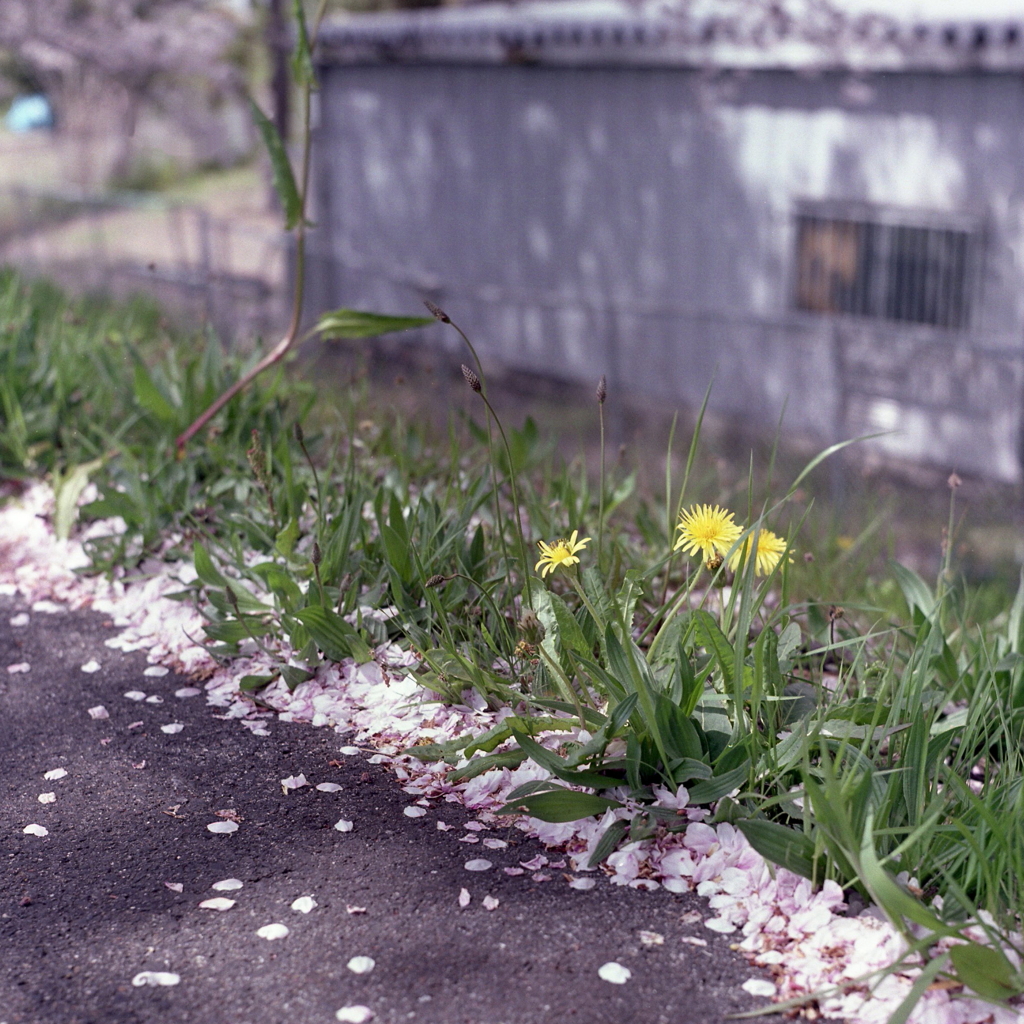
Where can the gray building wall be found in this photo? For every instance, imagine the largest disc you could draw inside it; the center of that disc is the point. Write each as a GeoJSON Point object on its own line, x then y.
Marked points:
{"type": "Point", "coordinates": [640, 222]}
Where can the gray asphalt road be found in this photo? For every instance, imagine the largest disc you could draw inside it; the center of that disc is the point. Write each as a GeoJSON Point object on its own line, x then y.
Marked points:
{"type": "Point", "coordinates": [85, 908]}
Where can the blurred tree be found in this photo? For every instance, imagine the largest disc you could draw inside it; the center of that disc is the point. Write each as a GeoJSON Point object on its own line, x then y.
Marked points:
{"type": "Point", "coordinates": [103, 62]}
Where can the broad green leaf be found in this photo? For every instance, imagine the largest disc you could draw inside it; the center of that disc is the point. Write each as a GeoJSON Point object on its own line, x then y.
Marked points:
{"type": "Point", "coordinates": [333, 635]}
{"type": "Point", "coordinates": [710, 636]}
{"type": "Point", "coordinates": [286, 538]}
{"type": "Point", "coordinates": [479, 765]}
{"type": "Point", "coordinates": [247, 684]}
{"type": "Point", "coordinates": [68, 489]}
{"type": "Point", "coordinates": [915, 590]}
{"type": "Point", "coordinates": [569, 630]}
{"type": "Point", "coordinates": [351, 323]}
{"type": "Point", "coordinates": [564, 805]}
{"type": "Point", "coordinates": [985, 970]}
{"type": "Point", "coordinates": [151, 398]}
{"type": "Point", "coordinates": [281, 167]}
{"type": "Point", "coordinates": [717, 786]}
{"type": "Point", "coordinates": [205, 568]}
{"type": "Point", "coordinates": [608, 842]}
{"type": "Point", "coordinates": [302, 58]}
{"type": "Point", "coordinates": [557, 766]}
{"type": "Point", "coordinates": [781, 845]}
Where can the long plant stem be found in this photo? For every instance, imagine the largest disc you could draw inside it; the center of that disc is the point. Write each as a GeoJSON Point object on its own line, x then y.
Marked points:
{"type": "Point", "coordinates": [291, 335]}
{"type": "Point", "coordinates": [600, 507]}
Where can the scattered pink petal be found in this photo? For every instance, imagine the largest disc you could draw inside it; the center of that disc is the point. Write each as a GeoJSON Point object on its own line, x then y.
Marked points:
{"type": "Point", "coordinates": [380, 759]}
{"type": "Point", "coordinates": [478, 865]}
{"type": "Point", "coordinates": [135, 695]}
{"type": "Point", "coordinates": [614, 973]}
{"type": "Point", "coordinates": [21, 619]}
{"type": "Point", "coordinates": [350, 751]}
{"type": "Point", "coordinates": [491, 903]}
{"type": "Point", "coordinates": [98, 712]}
{"type": "Point", "coordinates": [48, 607]}
{"type": "Point", "coordinates": [173, 728]}
{"type": "Point", "coordinates": [154, 699]}
{"type": "Point", "coordinates": [361, 964]}
{"type": "Point", "coordinates": [464, 898]}
{"type": "Point", "coordinates": [476, 826]}
{"type": "Point", "coordinates": [691, 940]}
{"type": "Point", "coordinates": [175, 886]}
{"type": "Point", "coordinates": [343, 825]}
{"type": "Point", "coordinates": [539, 876]}
{"type": "Point", "coordinates": [223, 827]}
{"type": "Point", "coordinates": [469, 839]}
{"type": "Point", "coordinates": [535, 863]}
{"type": "Point", "coordinates": [139, 764]}
{"type": "Point", "coordinates": [92, 665]}
{"type": "Point", "coordinates": [414, 812]}
{"type": "Point", "coordinates": [354, 1014]}
{"type": "Point", "coordinates": [217, 903]}
{"type": "Point", "coordinates": [55, 773]}
{"type": "Point", "coordinates": [136, 725]}
{"type": "Point", "coordinates": [353, 909]}
{"type": "Point", "coordinates": [652, 938]}
{"type": "Point", "coordinates": [328, 787]}
{"type": "Point", "coordinates": [156, 670]}
{"type": "Point", "coordinates": [187, 691]}
{"type": "Point", "coordinates": [304, 904]}
{"type": "Point", "coordinates": [227, 885]}
{"type": "Point", "coordinates": [47, 798]}
{"type": "Point", "coordinates": [35, 830]}
{"type": "Point", "coordinates": [759, 987]}
{"type": "Point", "coordinates": [720, 925]}
{"type": "Point", "coordinates": [155, 978]}
{"type": "Point", "coordinates": [272, 931]}
{"type": "Point", "coordinates": [443, 826]}
{"type": "Point", "coordinates": [495, 844]}
{"type": "Point", "coordinates": [22, 666]}
{"type": "Point", "coordinates": [106, 740]}
{"type": "Point", "coordinates": [514, 871]}
{"type": "Point", "coordinates": [293, 782]}
{"type": "Point", "coordinates": [582, 883]}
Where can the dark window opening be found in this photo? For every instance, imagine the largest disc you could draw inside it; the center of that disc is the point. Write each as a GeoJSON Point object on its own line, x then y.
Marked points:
{"type": "Point", "coordinates": [917, 275]}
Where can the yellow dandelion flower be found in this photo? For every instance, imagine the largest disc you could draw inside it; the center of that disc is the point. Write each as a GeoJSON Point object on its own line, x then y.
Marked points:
{"type": "Point", "coordinates": [708, 530]}
{"type": "Point", "coordinates": [562, 552]}
{"type": "Point", "coordinates": [770, 548]}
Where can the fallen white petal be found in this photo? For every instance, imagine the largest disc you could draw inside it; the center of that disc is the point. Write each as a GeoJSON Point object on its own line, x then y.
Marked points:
{"type": "Point", "coordinates": [361, 964]}
{"type": "Point", "coordinates": [175, 886]}
{"type": "Point", "coordinates": [491, 903]}
{"type": "Point", "coordinates": [478, 865]}
{"type": "Point", "coordinates": [35, 830]}
{"type": "Point", "coordinates": [223, 826]}
{"type": "Point", "coordinates": [22, 666]}
{"type": "Point", "coordinates": [227, 885]}
{"type": "Point", "coordinates": [135, 695]}
{"type": "Point", "coordinates": [293, 782]}
{"type": "Point", "coordinates": [47, 798]}
{"type": "Point", "coordinates": [583, 883]}
{"type": "Point", "coordinates": [414, 812]}
{"type": "Point", "coordinates": [352, 909]}
{"type": "Point", "coordinates": [272, 931]}
{"type": "Point", "coordinates": [154, 699]}
{"type": "Point", "coordinates": [304, 904]}
{"type": "Point", "coordinates": [92, 665]}
{"type": "Point", "coordinates": [693, 941]}
{"type": "Point", "coordinates": [217, 903]}
{"type": "Point", "coordinates": [49, 607]}
{"type": "Point", "coordinates": [328, 787]}
{"type": "Point", "coordinates": [98, 712]}
{"type": "Point", "coordinates": [55, 773]}
{"type": "Point", "coordinates": [718, 924]}
{"type": "Point", "coordinates": [19, 620]}
{"type": "Point", "coordinates": [156, 670]}
{"type": "Point", "coordinates": [343, 825]}
{"type": "Point", "coordinates": [464, 898]}
{"type": "Point", "coordinates": [759, 987]}
{"type": "Point", "coordinates": [188, 691]}
{"type": "Point", "coordinates": [614, 973]}
{"type": "Point", "coordinates": [380, 759]}
{"type": "Point", "coordinates": [350, 751]}
{"type": "Point", "coordinates": [444, 827]}
{"type": "Point", "coordinates": [155, 978]}
{"type": "Point", "coordinates": [172, 728]}
{"type": "Point", "coordinates": [354, 1014]}
{"type": "Point", "coordinates": [495, 844]}
{"type": "Point", "coordinates": [652, 938]}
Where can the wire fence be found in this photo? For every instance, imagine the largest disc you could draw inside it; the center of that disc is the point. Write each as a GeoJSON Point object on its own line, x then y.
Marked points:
{"type": "Point", "coordinates": [203, 268]}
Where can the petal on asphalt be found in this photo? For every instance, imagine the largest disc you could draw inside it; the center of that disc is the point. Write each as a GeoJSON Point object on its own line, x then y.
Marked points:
{"type": "Point", "coordinates": [47, 798]}
{"type": "Point", "coordinates": [92, 665]}
{"type": "Point", "coordinates": [156, 670]}
{"type": "Point", "coordinates": [155, 978]}
{"type": "Point", "coordinates": [35, 830]}
{"type": "Point", "coordinates": [304, 904]}
{"type": "Point", "coordinates": [187, 691]}
{"type": "Point", "coordinates": [361, 964]}
{"type": "Point", "coordinates": [55, 773]}
{"type": "Point", "coordinates": [293, 782]}
{"type": "Point", "coordinates": [759, 987]}
{"type": "Point", "coordinates": [175, 886]}
{"type": "Point", "coordinates": [354, 1014]}
{"type": "Point", "coordinates": [135, 695]}
{"type": "Point", "coordinates": [22, 666]}
{"type": "Point", "coordinates": [223, 827]}
{"type": "Point", "coordinates": [227, 885]}
{"type": "Point", "coordinates": [464, 898]}
{"type": "Point", "coordinates": [172, 728]}
{"type": "Point", "coordinates": [614, 973]}
{"type": "Point", "coordinates": [98, 712]}
{"type": "Point", "coordinates": [478, 865]}
{"type": "Point", "coordinates": [491, 903]}
{"type": "Point", "coordinates": [414, 812]}
{"type": "Point", "coordinates": [272, 931]}
{"type": "Point", "coordinates": [328, 787]}
{"type": "Point", "coordinates": [343, 825]}
{"type": "Point", "coordinates": [217, 903]}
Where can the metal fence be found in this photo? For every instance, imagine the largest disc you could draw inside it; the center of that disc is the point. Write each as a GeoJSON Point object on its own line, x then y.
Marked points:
{"type": "Point", "coordinates": [202, 268]}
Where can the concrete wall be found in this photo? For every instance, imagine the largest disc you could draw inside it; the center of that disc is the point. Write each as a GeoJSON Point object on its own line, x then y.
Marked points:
{"type": "Point", "coordinates": [639, 222]}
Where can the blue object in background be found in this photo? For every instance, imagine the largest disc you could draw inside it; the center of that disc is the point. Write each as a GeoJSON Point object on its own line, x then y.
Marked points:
{"type": "Point", "coordinates": [28, 113]}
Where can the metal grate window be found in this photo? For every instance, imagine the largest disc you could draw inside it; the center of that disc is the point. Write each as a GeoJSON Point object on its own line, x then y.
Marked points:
{"type": "Point", "coordinates": [895, 271]}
